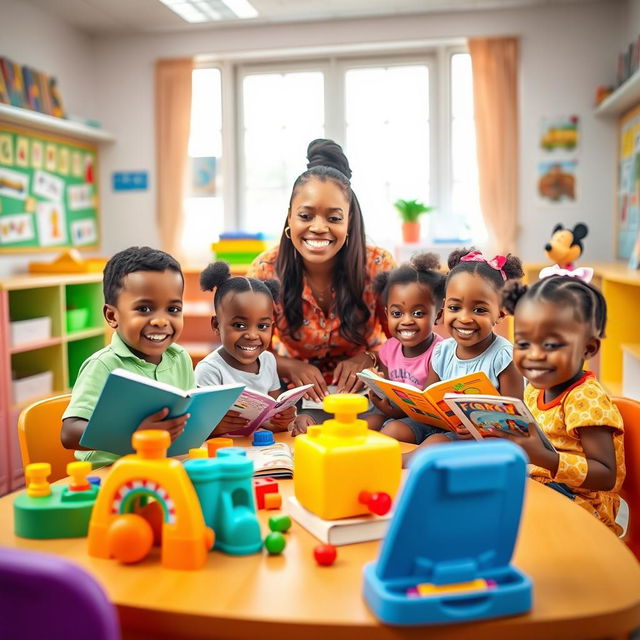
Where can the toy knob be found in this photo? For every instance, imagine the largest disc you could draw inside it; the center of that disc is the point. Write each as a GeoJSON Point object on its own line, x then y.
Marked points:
{"type": "Point", "coordinates": [151, 443]}
{"type": "Point", "coordinates": [79, 471]}
{"type": "Point", "coordinates": [262, 438]}
{"type": "Point", "coordinates": [37, 485]}
{"type": "Point", "coordinates": [378, 503]}
{"type": "Point", "coordinates": [345, 406]}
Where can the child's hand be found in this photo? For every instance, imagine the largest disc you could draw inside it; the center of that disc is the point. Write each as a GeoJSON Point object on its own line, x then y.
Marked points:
{"type": "Point", "coordinates": [532, 443]}
{"type": "Point", "coordinates": [175, 426]}
{"type": "Point", "coordinates": [382, 404]}
{"type": "Point", "coordinates": [301, 423]}
{"type": "Point", "coordinates": [283, 419]}
{"type": "Point", "coordinates": [231, 421]}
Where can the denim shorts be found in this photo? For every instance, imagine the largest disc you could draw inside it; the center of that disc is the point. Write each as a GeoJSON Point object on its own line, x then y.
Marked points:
{"type": "Point", "coordinates": [422, 431]}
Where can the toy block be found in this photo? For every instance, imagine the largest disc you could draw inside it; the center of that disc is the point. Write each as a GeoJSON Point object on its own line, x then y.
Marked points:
{"type": "Point", "coordinates": [47, 511]}
{"type": "Point", "coordinates": [224, 488]}
{"type": "Point", "coordinates": [217, 443]}
{"type": "Point", "coordinates": [344, 469]}
{"type": "Point", "coordinates": [261, 487]}
{"type": "Point", "coordinates": [199, 452]}
{"type": "Point", "coordinates": [272, 501]}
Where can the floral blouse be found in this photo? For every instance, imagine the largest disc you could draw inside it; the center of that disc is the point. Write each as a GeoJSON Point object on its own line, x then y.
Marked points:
{"type": "Point", "coordinates": [320, 342]}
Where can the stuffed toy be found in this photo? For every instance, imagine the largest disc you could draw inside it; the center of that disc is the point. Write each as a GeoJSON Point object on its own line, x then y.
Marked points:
{"type": "Point", "coordinates": [564, 248]}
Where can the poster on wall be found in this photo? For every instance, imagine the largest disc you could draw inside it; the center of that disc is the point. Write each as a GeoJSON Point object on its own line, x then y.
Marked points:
{"type": "Point", "coordinates": [628, 192]}
{"type": "Point", "coordinates": [560, 135]}
{"type": "Point", "coordinates": [203, 177]}
{"type": "Point", "coordinates": [557, 181]}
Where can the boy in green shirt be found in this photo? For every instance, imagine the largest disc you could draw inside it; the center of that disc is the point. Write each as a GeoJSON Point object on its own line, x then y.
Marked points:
{"type": "Point", "coordinates": [143, 290]}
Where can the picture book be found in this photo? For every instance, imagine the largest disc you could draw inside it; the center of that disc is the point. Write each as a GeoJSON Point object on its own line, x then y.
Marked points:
{"type": "Point", "coordinates": [13, 80]}
{"type": "Point", "coordinates": [482, 414]}
{"type": "Point", "coordinates": [128, 398]}
{"type": "Point", "coordinates": [259, 408]}
{"type": "Point", "coordinates": [273, 461]}
{"type": "Point", "coordinates": [428, 405]}
{"type": "Point", "coordinates": [342, 531]}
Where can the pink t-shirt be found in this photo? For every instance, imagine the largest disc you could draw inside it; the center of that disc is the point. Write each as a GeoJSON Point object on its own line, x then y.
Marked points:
{"type": "Point", "coordinates": [402, 369]}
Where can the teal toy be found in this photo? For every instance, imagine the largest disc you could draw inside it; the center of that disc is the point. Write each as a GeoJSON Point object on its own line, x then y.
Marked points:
{"type": "Point", "coordinates": [447, 554]}
{"type": "Point", "coordinates": [44, 511]}
{"type": "Point", "coordinates": [224, 486]}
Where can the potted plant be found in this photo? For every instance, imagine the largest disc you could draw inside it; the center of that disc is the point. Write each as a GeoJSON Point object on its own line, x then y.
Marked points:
{"type": "Point", "coordinates": [409, 211]}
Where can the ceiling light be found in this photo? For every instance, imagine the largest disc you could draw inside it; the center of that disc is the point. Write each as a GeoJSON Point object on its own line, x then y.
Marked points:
{"type": "Point", "coordinates": [208, 10]}
{"type": "Point", "coordinates": [242, 8]}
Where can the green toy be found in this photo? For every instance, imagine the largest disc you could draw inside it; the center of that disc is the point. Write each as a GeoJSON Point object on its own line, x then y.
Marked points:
{"type": "Point", "coordinates": [44, 511]}
{"type": "Point", "coordinates": [280, 523]}
{"type": "Point", "coordinates": [275, 543]}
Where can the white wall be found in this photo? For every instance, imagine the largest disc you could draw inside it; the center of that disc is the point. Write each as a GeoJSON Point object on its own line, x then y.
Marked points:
{"type": "Point", "coordinates": [33, 37]}
{"type": "Point", "coordinates": [566, 51]}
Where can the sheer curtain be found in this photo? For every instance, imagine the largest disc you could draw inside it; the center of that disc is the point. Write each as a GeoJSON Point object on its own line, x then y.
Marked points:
{"type": "Point", "coordinates": [173, 121]}
{"type": "Point", "coordinates": [495, 89]}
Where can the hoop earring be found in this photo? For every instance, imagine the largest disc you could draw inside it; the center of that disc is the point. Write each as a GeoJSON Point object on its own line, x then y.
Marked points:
{"type": "Point", "coordinates": [287, 228]}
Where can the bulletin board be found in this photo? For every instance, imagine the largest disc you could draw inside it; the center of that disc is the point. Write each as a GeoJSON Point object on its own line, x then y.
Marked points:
{"type": "Point", "coordinates": [48, 192]}
{"type": "Point", "coordinates": [628, 183]}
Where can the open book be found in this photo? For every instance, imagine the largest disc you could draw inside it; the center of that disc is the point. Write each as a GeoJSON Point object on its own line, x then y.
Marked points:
{"type": "Point", "coordinates": [482, 414]}
{"type": "Point", "coordinates": [428, 405]}
{"type": "Point", "coordinates": [342, 531]}
{"type": "Point", "coordinates": [128, 398]}
{"type": "Point", "coordinates": [274, 460]}
{"type": "Point", "coordinates": [259, 408]}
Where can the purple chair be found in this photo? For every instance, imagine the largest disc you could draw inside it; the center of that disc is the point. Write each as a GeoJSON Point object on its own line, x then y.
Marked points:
{"type": "Point", "coordinates": [44, 596]}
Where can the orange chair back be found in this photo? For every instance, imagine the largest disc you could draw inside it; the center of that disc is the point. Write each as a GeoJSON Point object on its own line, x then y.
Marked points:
{"type": "Point", "coordinates": [39, 427]}
{"type": "Point", "coordinates": [630, 491]}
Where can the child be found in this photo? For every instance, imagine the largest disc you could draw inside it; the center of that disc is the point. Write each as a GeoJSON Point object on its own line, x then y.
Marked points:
{"type": "Point", "coordinates": [472, 308]}
{"type": "Point", "coordinates": [412, 295]}
{"type": "Point", "coordinates": [559, 322]}
{"type": "Point", "coordinates": [244, 321]}
{"type": "Point", "coordinates": [143, 303]}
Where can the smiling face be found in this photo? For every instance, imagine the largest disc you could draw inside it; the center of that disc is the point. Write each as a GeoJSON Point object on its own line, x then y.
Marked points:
{"type": "Point", "coordinates": [410, 315]}
{"type": "Point", "coordinates": [319, 220]}
{"type": "Point", "coordinates": [551, 344]}
{"type": "Point", "coordinates": [148, 313]}
{"type": "Point", "coordinates": [244, 322]}
{"type": "Point", "coordinates": [471, 310]}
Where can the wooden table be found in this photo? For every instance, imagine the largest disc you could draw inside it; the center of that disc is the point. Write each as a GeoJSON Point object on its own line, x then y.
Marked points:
{"type": "Point", "coordinates": [586, 585]}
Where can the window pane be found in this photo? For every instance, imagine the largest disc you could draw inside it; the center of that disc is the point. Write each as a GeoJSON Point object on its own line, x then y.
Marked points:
{"type": "Point", "coordinates": [204, 205]}
{"type": "Point", "coordinates": [387, 125]}
{"type": "Point", "coordinates": [465, 198]}
{"type": "Point", "coordinates": [282, 113]}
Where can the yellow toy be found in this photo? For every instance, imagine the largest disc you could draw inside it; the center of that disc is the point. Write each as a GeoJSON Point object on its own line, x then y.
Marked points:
{"type": "Point", "coordinates": [119, 527]}
{"type": "Point", "coordinates": [343, 469]}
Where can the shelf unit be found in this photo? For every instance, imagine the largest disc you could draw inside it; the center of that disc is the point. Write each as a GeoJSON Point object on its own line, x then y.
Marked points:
{"type": "Point", "coordinates": [30, 296]}
{"type": "Point", "coordinates": [626, 96]}
{"type": "Point", "coordinates": [49, 124]}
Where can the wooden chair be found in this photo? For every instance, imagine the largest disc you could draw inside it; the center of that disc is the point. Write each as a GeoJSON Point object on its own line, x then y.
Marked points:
{"type": "Point", "coordinates": [630, 491]}
{"type": "Point", "coordinates": [39, 435]}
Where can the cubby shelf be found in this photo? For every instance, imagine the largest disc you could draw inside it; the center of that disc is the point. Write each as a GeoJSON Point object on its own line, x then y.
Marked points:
{"type": "Point", "coordinates": [49, 124]}
{"type": "Point", "coordinates": [26, 297]}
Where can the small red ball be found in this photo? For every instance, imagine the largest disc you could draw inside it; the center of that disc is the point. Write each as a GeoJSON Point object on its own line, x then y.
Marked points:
{"type": "Point", "coordinates": [380, 503]}
{"type": "Point", "coordinates": [325, 554]}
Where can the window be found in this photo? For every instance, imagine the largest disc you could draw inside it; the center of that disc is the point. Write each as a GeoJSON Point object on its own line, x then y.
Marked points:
{"type": "Point", "coordinates": [406, 124]}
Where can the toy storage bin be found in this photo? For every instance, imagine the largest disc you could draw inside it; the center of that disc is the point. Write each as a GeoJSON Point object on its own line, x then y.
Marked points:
{"type": "Point", "coordinates": [77, 319]}
{"type": "Point", "coordinates": [32, 330]}
{"type": "Point", "coordinates": [25, 386]}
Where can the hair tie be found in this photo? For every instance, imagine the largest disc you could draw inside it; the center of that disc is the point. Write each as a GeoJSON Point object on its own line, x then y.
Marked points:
{"type": "Point", "coordinates": [497, 262]}
{"type": "Point", "coordinates": [581, 273]}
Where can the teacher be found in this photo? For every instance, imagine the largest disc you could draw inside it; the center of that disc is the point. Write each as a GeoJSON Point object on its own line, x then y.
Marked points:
{"type": "Point", "coordinates": [328, 319]}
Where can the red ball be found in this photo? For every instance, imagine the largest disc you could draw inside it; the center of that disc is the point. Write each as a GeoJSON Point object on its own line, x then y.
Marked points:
{"type": "Point", "coordinates": [380, 503]}
{"type": "Point", "coordinates": [325, 554]}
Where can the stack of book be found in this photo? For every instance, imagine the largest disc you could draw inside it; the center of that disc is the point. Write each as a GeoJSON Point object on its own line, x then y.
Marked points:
{"type": "Point", "coordinates": [239, 248]}
{"type": "Point", "coordinates": [22, 86]}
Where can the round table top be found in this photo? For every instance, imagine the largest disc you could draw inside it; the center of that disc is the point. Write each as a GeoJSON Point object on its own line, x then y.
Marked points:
{"type": "Point", "coordinates": [586, 584]}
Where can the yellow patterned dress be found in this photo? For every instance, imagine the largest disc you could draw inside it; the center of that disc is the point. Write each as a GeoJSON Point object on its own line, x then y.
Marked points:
{"type": "Point", "coordinates": [584, 404]}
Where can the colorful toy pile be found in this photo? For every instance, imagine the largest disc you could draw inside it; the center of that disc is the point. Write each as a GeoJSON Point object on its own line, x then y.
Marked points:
{"type": "Point", "coordinates": [239, 248]}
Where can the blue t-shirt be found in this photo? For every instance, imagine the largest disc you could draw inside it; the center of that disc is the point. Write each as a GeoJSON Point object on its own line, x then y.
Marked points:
{"type": "Point", "coordinates": [493, 361]}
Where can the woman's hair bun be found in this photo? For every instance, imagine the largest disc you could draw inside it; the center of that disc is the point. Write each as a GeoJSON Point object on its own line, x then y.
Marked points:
{"type": "Point", "coordinates": [327, 153]}
{"type": "Point", "coordinates": [214, 275]}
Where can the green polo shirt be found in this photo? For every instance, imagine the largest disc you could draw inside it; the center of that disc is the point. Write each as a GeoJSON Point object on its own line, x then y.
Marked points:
{"type": "Point", "coordinates": [175, 368]}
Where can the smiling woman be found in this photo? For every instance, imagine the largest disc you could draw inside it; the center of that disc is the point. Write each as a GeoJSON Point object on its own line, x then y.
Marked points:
{"type": "Point", "coordinates": [328, 317]}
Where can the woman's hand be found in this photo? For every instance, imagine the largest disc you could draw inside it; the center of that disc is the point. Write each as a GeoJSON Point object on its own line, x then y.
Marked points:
{"type": "Point", "coordinates": [300, 373]}
{"type": "Point", "coordinates": [344, 376]}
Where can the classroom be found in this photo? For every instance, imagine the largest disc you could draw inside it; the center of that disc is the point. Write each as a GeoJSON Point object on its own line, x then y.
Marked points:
{"type": "Point", "coordinates": [396, 242]}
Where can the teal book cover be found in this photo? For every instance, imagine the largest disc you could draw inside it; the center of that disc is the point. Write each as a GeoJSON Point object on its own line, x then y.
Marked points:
{"type": "Point", "coordinates": [127, 399]}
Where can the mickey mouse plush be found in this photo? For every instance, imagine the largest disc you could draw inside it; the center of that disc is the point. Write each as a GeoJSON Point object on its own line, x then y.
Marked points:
{"type": "Point", "coordinates": [565, 246]}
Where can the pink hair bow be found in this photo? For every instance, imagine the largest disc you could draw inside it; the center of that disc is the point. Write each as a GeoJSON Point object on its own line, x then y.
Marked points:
{"type": "Point", "coordinates": [497, 262]}
{"type": "Point", "coordinates": [582, 273]}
